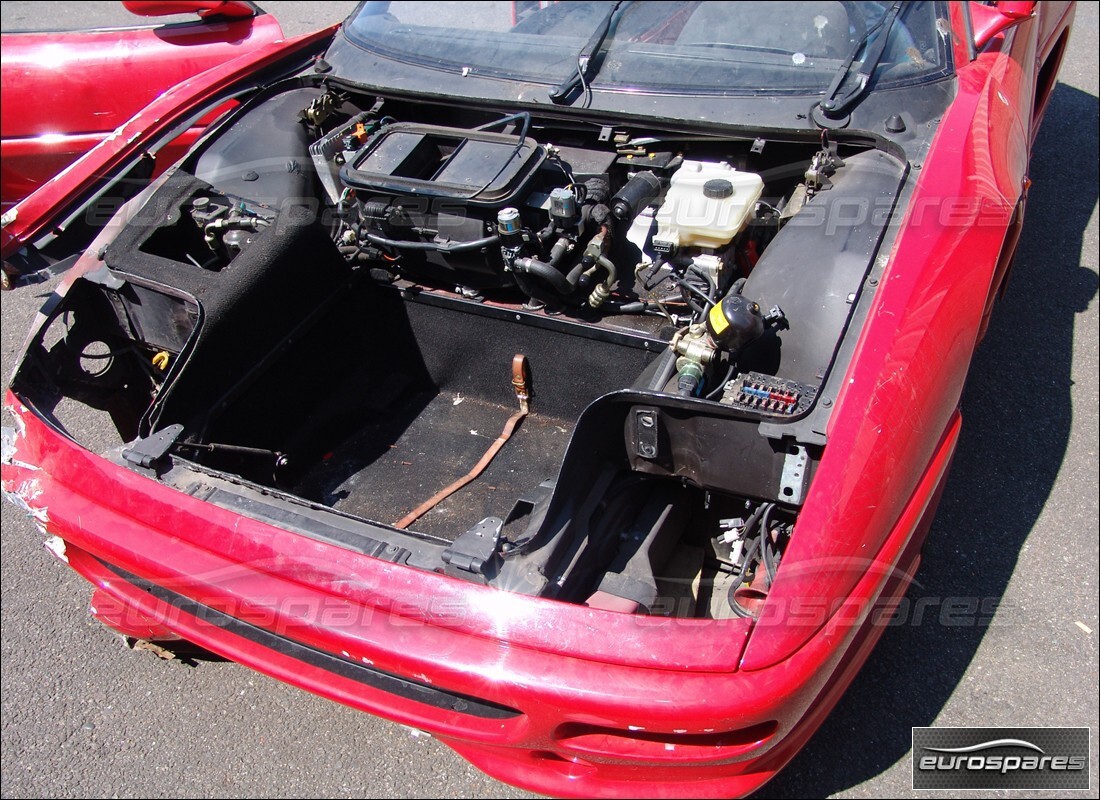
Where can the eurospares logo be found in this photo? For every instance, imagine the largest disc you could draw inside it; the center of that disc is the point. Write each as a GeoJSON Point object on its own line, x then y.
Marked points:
{"type": "Point", "coordinates": [1000, 758]}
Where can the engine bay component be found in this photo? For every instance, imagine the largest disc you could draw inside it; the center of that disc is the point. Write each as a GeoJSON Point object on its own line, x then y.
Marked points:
{"type": "Point", "coordinates": [476, 167]}
{"type": "Point", "coordinates": [751, 548]}
{"type": "Point", "coordinates": [695, 352]}
{"type": "Point", "coordinates": [635, 195]}
{"type": "Point", "coordinates": [706, 205]}
{"type": "Point", "coordinates": [730, 325]}
{"type": "Point", "coordinates": [539, 231]}
{"type": "Point", "coordinates": [735, 322]}
{"type": "Point", "coordinates": [336, 147]}
{"type": "Point", "coordinates": [227, 229]}
{"type": "Point", "coordinates": [563, 206]}
{"type": "Point", "coordinates": [509, 227]}
{"type": "Point", "coordinates": [768, 395]}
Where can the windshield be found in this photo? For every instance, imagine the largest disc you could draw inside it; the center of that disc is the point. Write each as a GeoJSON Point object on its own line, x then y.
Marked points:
{"type": "Point", "coordinates": [680, 47]}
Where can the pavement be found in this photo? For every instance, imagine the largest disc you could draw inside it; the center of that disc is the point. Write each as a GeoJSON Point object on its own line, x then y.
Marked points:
{"type": "Point", "coordinates": [80, 716]}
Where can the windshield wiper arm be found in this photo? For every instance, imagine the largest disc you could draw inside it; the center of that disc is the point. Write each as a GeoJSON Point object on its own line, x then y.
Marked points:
{"type": "Point", "coordinates": [585, 57]}
{"type": "Point", "coordinates": [834, 106]}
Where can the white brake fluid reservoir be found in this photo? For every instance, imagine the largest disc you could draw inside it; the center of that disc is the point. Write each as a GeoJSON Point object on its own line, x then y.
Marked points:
{"type": "Point", "coordinates": [707, 204]}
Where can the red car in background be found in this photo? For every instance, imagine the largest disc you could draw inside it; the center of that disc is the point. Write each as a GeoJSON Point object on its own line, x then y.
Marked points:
{"type": "Point", "coordinates": [65, 92]}
{"type": "Point", "coordinates": [717, 269]}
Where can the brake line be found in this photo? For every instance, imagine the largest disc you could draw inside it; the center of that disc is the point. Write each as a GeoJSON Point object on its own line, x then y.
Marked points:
{"type": "Point", "coordinates": [519, 386]}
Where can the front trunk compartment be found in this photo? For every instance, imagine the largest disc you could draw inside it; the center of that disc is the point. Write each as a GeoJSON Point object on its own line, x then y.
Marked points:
{"type": "Point", "coordinates": [388, 399]}
{"type": "Point", "coordinates": [330, 361]}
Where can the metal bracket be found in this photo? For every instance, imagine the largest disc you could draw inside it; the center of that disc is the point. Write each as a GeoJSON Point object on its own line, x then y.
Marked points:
{"type": "Point", "coordinates": [647, 432]}
{"type": "Point", "coordinates": [148, 451]}
{"type": "Point", "coordinates": [472, 553]}
{"type": "Point", "coordinates": [792, 484]}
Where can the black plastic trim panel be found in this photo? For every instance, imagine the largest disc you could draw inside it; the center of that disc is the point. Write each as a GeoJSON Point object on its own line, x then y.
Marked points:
{"type": "Point", "coordinates": [368, 676]}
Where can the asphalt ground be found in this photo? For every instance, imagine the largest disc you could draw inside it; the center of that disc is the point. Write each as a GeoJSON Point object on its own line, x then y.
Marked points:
{"type": "Point", "coordinates": [80, 716]}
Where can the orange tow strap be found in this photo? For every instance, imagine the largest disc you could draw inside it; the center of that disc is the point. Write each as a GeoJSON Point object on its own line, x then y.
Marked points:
{"type": "Point", "coordinates": [519, 385]}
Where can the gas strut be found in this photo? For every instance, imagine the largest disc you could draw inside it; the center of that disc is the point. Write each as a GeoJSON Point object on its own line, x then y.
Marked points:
{"type": "Point", "coordinates": [280, 459]}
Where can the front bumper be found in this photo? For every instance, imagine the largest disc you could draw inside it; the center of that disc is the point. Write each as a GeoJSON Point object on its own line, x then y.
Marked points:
{"type": "Point", "coordinates": [548, 696]}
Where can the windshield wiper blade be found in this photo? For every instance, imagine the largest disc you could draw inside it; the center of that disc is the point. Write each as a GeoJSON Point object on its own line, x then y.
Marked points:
{"type": "Point", "coordinates": [586, 55]}
{"type": "Point", "coordinates": [834, 106]}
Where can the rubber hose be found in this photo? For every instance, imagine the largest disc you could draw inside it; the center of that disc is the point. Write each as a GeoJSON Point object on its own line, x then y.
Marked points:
{"type": "Point", "coordinates": [544, 272]}
{"type": "Point", "coordinates": [436, 247]}
{"type": "Point", "coordinates": [534, 289]}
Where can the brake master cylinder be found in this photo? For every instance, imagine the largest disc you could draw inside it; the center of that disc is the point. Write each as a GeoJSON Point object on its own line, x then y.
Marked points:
{"type": "Point", "coordinates": [706, 205]}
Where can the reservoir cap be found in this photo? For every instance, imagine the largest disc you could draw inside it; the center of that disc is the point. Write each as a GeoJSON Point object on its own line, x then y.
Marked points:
{"type": "Point", "coordinates": [717, 189]}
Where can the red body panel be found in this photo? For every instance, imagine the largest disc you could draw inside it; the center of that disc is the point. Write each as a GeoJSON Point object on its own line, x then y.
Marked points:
{"type": "Point", "coordinates": [609, 704]}
{"type": "Point", "coordinates": [911, 362]}
{"type": "Point", "coordinates": [64, 92]}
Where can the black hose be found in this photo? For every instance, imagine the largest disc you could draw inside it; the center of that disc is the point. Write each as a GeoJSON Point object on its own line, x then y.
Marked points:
{"type": "Point", "coordinates": [750, 554]}
{"type": "Point", "coordinates": [710, 282]}
{"type": "Point", "coordinates": [544, 272]}
{"type": "Point", "coordinates": [750, 523]}
{"type": "Point", "coordinates": [535, 291]}
{"type": "Point", "coordinates": [558, 252]}
{"type": "Point", "coordinates": [635, 307]}
{"type": "Point", "coordinates": [765, 537]}
{"type": "Point", "coordinates": [696, 291]}
{"type": "Point", "coordinates": [738, 609]}
{"type": "Point", "coordinates": [524, 115]}
{"type": "Point", "coordinates": [433, 247]}
{"type": "Point", "coordinates": [721, 384]}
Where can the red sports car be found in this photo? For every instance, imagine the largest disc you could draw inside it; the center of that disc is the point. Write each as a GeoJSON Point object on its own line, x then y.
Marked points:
{"type": "Point", "coordinates": [573, 381]}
